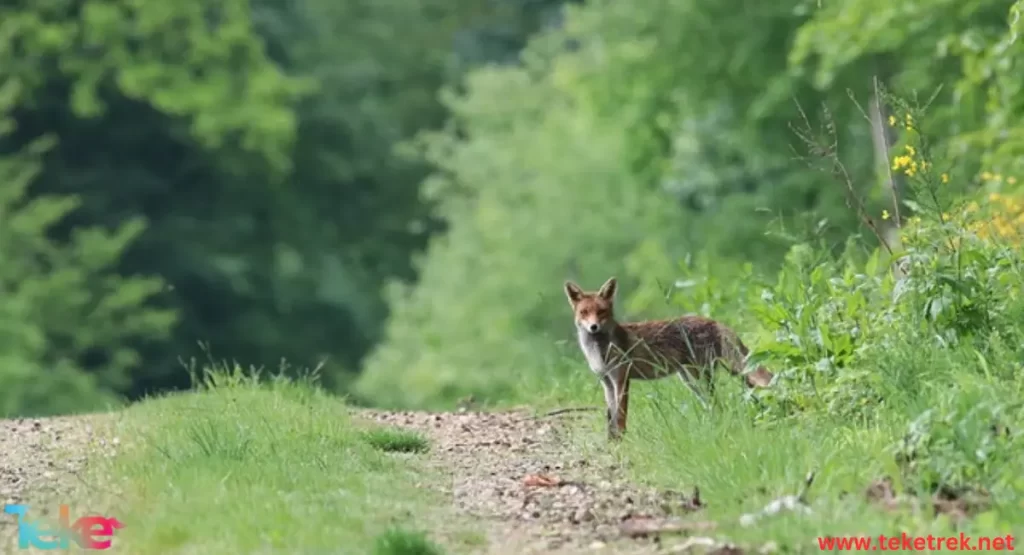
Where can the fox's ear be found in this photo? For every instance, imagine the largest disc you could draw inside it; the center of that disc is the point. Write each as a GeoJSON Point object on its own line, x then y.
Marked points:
{"type": "Point", "coordinates": [607, 290]}
{"type": "Point", "coordinates": [573, 292]}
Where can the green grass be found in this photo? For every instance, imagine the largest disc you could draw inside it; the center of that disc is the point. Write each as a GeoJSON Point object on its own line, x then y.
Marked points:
{"type": "Point", "coordinates": [393, 440]}
{"type": "Point", "coordinates": [398, 541]}
{"type": "Point", "coordinates": [238, 467]}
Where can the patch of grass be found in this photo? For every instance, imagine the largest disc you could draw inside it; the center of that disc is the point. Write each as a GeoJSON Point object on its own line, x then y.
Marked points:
{"type": "Point", "coordinates": [398, 541]}
{"type": "Point", "coordinates": [394, 440]}
{"type": "Point", "coordinates": [246, 467]}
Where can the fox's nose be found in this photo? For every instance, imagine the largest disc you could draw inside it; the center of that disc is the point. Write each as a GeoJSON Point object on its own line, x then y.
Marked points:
{"type": "Point", "coordinates": [592, 328]}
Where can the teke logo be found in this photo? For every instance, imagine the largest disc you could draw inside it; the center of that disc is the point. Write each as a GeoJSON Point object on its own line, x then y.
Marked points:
{"type": "Point", "coordinates": [88, 531]}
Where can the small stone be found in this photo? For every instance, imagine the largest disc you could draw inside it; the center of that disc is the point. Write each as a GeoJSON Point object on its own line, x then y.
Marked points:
{"type": "Point", "coordinates": [583, 515]}
{"type": "Point", "coordinates": [597, 545]}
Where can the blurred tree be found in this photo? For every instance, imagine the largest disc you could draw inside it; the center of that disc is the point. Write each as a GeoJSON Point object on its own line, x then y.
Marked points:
{"type": "Point", "coordinates": [169, 114]}
{"type": "Point", "coordinates": [63, 307]}
{"type": "Point", "coordinates": [256, 141]}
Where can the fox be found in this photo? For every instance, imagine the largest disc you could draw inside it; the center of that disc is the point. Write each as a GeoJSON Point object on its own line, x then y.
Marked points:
{"type": "Point", "coordinates": [689, 346]}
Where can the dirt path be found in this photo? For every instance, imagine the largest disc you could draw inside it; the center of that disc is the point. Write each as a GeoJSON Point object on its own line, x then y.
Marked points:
{"type": "Point", "coordinates": [496, 465]}
{"type": "Point", "coordinates": [512, 477]}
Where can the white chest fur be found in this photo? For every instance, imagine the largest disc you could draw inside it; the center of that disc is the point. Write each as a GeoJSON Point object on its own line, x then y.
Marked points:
{"type": "Point", "coordinates": [592, 351]}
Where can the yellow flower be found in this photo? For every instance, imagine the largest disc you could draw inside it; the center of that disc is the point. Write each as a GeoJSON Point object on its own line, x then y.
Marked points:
{"type": "Point", "coordinates": [997, 177]}
{"type": "Point", "coordinates": [911, 170]}
{"type": "Point", "coordinates": [892, 121]}
{"type": "Point", "coordinates": [1011, 180]}
{"type": "Point", "coordinates": [993, 197]}
{"type": "Point", "coordinates": [910, 150]}
{"type": "Point", "coordinates": [945, 178]}
{"type": "Point", "coordinates": [901, 162]}
{"type": "Point", "coordinates": [986, 176]}
{"type": "Point", "coordinates": [885, 214]}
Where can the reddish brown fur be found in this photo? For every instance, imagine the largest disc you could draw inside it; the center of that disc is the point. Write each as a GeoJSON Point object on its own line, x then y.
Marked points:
{"type": "Point", "coordinates": [619, 353]}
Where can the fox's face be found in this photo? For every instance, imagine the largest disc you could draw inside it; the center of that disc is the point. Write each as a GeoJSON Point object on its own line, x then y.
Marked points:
{"type": "Point", "coordinates": [593, 312]}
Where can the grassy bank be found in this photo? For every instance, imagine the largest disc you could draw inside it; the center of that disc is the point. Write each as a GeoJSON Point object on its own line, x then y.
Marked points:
{"type": "Point", "coordinates": [237, 467]}
{"type": "Point", "coordinates": [741, 465]}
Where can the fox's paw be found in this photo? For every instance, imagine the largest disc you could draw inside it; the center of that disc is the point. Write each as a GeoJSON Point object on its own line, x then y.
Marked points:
{"type": "Point", "coordinates": [615, 434]}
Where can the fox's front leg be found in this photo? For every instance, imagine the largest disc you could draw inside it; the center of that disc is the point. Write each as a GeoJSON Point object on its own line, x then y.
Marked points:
{"type": "Point", "coordinates": [611, 407]}
{"type": "Point", "coordinates": [621, 383]}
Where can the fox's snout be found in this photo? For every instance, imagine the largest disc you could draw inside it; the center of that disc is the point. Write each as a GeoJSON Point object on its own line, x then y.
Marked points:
{"type": "Point", "coordinates": [592, 326]}
{"type": "Point", "coordinates": [592, 317]}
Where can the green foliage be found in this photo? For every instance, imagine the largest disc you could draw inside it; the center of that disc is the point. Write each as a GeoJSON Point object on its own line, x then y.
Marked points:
{"type": "Point", "coordinates": [64, 303]}
{"type": "Point", "coordinates": [159, 112]}
{"type": "Point", "coordinates": [167, 55]}
{"type": "Point", "coordinates": [970, 49]}
{"type": "Point", "coordinates": [965, 440]}
{"type": "Point", "coordinates": [949, 288]}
